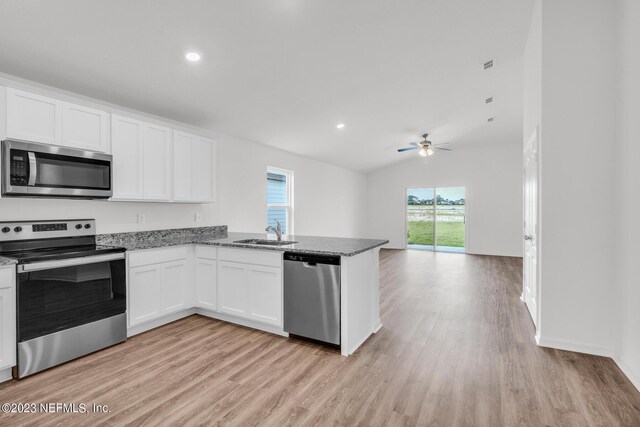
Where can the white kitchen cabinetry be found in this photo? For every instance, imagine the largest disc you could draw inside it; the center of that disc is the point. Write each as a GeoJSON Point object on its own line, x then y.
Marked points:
{"type": "Point", "coordinates": [126, 148]}
{"type": "Point", "coordinates": [159, 283]}
{"type": "Point", "coordinates": [156, 166]}
{"type": "Point", "coordinates": [37, 118]}
{"type": "Point", "coordinates": [144, 294]}
{"type": "Point", "coordinates": [141, 160]}
{"type": "Point", "coordinates": [232, 288]}
{"type": "Point", "coordinates": [85, 128]}
{"type": "Point", "coordinates": [265, 294]}
{"type": "Point", "coordinates": [250, 285]}
{"type": "Point", "coordinates": [7, 317]}
{"type": "Point", "coordinates": [206, 270]}
{"type": "Point", "coordinates": [33, 117]}
{"type": "Point", "coordinates": [194, 168]}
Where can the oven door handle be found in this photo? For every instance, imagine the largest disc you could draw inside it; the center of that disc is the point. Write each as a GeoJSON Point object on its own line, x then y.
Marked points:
{"type": "Point", "coordinates": [49, 265]}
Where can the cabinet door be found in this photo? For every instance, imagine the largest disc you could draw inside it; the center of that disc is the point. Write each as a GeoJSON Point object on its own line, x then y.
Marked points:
{"type": "Point", "coordinates": [232, 288]}
{"type": "Point", "coordinates": [206, 284]}
{"type": "Point", "coordinates": [33, 117]}
{"type": "Point", "coordinates": [176, 291]}
{"type": "Point", "coordinates": [183, 173]}
{"type": "Point", "coordinates": [144, 294]}
{"type": "Point", "coordinates": [157, 162]}
{"type": "Point", "coordinates": [7, 327]}
{"type": "Point", "coordinates": [204, 170]}
{"type": "Point", "coordinates": [265, 294]}
{"type": "Point", "coordinates": [126, 147]}
{"type": "Point", "coordinates": [85, 128]}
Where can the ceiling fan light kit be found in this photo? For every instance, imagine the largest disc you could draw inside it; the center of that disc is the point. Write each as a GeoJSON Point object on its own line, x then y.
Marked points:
{"type": "Point", "coordinates": [425, 148]}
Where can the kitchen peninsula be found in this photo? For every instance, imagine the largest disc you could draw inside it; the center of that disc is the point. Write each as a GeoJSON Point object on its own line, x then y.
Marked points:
{"type": "Point", "coordinates": [212, 272]}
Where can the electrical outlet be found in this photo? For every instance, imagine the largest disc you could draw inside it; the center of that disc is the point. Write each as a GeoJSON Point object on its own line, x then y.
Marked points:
{"type": "Point", "coordinates": [198, 217]}
{"type": "Point", "coordinates": [141, 218]}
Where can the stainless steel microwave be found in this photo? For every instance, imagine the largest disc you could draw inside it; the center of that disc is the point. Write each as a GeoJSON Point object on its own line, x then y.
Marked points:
{"type": "Point", "coordinates": [40, 170]}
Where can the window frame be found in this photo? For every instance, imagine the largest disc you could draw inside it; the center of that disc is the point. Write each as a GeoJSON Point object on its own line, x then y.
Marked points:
{"type": "Point", "coordinates": [289, 204]}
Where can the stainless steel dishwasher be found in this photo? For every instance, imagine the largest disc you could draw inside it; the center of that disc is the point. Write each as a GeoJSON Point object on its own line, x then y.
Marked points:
{"type": "Point", "coordinates": [312, 296]}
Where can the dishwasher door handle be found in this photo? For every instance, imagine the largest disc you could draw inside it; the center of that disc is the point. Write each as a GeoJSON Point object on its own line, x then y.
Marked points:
{"type": "Point", "coordinates": [309, 264]}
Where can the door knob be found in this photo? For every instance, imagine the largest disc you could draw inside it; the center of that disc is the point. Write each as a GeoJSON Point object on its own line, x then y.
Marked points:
{"type": "Point", "coordinates": [528, 237]}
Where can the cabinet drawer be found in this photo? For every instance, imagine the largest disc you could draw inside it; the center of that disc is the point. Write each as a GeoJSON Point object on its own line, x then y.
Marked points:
{"type": "Point", "coordinates": [207, 252]}
{"type": "Point", "coordinates": [249, 256]}
{"type": "Point", "coordinates": [6, 277]}
{"type": "Point", "coordinates": [156, 256]}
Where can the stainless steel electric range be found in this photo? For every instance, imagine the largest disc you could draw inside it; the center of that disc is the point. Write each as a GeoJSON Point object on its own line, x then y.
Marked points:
{"type": "Point", "coordinates": [71, 293]}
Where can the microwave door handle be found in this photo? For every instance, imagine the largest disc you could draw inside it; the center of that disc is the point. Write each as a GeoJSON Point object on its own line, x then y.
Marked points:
{"type": "Point", "coordinates": [33, 169]}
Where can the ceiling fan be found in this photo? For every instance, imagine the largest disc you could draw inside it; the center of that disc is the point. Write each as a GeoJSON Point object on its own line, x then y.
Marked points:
{"type": "Point", "coordinates": [425, 148]}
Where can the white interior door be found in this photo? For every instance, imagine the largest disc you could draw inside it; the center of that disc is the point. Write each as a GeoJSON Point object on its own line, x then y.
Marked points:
{"type": "Point", "coordinates": [530, 276]}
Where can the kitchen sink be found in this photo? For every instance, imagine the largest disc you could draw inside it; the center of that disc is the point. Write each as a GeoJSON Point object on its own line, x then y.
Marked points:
{"type": "Point", "coordinates": [266, 242]}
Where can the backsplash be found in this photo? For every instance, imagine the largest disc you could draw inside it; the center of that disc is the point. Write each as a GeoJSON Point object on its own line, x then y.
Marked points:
{"type": "Point", "coordinates": [175, 235]}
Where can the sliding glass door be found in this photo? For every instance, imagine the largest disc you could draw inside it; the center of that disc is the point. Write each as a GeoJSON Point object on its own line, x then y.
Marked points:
{"type": "Point", "coordinates": [436, 218]}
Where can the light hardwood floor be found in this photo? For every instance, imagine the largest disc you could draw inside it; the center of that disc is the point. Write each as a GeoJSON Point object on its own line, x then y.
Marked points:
{"type": "Point", "coordinates": [456, 349]}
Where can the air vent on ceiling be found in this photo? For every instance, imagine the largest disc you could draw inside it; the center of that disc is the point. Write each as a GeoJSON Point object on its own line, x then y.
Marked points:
{"type": "Point", "coordinates": [490, 119]}
{"type": "Point", "coordinates": [488, 100]}
{"type": "Point", "coordinates": [488, 64]}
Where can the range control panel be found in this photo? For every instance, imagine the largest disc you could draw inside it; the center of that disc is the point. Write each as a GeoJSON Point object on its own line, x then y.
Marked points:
{"type": "Point", "coordinates": [27, 230]}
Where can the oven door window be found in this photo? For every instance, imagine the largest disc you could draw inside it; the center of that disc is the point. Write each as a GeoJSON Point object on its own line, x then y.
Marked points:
{"type": "Point", "coordinates": [72, 172]}
{"type": "Point", "coordinates": [61, 298]}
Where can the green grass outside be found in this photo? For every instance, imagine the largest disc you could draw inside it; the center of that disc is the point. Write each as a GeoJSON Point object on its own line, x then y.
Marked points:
{"type": "Point", "coordinates": [449, 233]}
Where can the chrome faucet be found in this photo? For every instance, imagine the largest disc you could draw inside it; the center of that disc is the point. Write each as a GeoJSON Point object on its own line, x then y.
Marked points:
{"type": "Point", "coordinates": [277, 230]}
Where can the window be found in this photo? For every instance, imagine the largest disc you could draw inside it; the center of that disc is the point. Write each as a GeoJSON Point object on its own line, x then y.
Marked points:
{"type": "Point", "coordinates": [280, 199]}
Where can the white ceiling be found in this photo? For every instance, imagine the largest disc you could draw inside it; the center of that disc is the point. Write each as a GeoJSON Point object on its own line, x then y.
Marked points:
{"type": "Point", "coordinates": [285, 72]}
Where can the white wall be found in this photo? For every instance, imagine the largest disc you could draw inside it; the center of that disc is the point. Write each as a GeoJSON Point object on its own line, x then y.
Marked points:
{"type": "Point", "coordinates": [577, 128]}
{"type": "Point", "coordinates": [328, 200]}
{"type": "Point", "coordinates": [628, 252]}
{"type": "Point", "coordinates": [492, 176]}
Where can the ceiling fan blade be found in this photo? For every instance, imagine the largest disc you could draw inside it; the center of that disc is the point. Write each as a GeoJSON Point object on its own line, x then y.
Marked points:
{"type": "Point", "coordinates": [415, 144]}
{"type": "Point", "coordinates": [400, 150]}
{"type": "Point", "coordinates": [443, 149]}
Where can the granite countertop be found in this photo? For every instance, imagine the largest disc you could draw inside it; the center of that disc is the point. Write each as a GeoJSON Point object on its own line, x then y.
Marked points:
{"type": "Point", "coordinates": [305, 244]}
{"type": "Point", "coordinates": [218, 236]}
{"type": "Point", "coordinates": [7, 261]}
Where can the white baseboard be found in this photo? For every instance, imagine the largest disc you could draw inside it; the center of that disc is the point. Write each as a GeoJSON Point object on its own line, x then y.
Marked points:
{"type": "Point", "coordinates": [633, 376]}
{"type": "Point", "coordinates": [152, 324]}
{"type": "Point", "coordinates": [377, 328]}
{"type": "Point", "coordinates": [5, 375]}
{"type": "Point", "coordinates": [240, 321]}
{"type": "Point", "coordinates": [577, 347]}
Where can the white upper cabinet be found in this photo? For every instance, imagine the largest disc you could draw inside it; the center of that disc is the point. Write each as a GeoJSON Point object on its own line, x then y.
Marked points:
{"type": "Point", "coordinates": [157, 163]}
{"type": "Point", "coordinates": [84, 127]}
{"type": "Point", "coordinates": [37, 118]}
{"type": "Point", "coordinates": [141, 160]}
{"type": "Point", "coordinates": [194, 168]}
{"type": "Point", "coordinates": [126, 147]}
{"type": "Point", "coordinates": [182, 170]}
{"type": "Point", "coordinates": [33, 117]}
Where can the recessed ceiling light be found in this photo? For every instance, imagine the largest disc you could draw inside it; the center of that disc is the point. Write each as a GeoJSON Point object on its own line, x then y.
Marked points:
{"type": "Point", "coordinates": [340, 125]}
{"type": "Point", "coordinates": [192, 56]}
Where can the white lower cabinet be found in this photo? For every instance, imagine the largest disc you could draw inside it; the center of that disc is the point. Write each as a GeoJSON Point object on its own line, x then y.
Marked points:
{"type": "Point", "coordinates": [144, 294]}
{"type": "Point", "coordinates": [207, 284]}
{"type": "Point", "coordinates": [7, 317]}
{"type": "Point", "coordinates": [232, 288]}
{"type": "Point", "coordinates": [243, 283]}
{"type": "Point", "coordinates": [176, 292]}
{"type": "Point", "coordinates": [265, 294]}
{"type": "Point", "coordinates": [159, 283]}
{"type": "Point", "coordinates": [250, 285]}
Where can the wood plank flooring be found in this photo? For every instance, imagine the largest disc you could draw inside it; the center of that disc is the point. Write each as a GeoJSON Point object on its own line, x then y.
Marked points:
{"type": "Point", "coordinates": [456, 349]}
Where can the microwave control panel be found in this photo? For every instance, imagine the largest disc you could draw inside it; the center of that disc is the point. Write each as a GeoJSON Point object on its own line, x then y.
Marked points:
{"type": "Point", "coordinates": [19, 168]}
